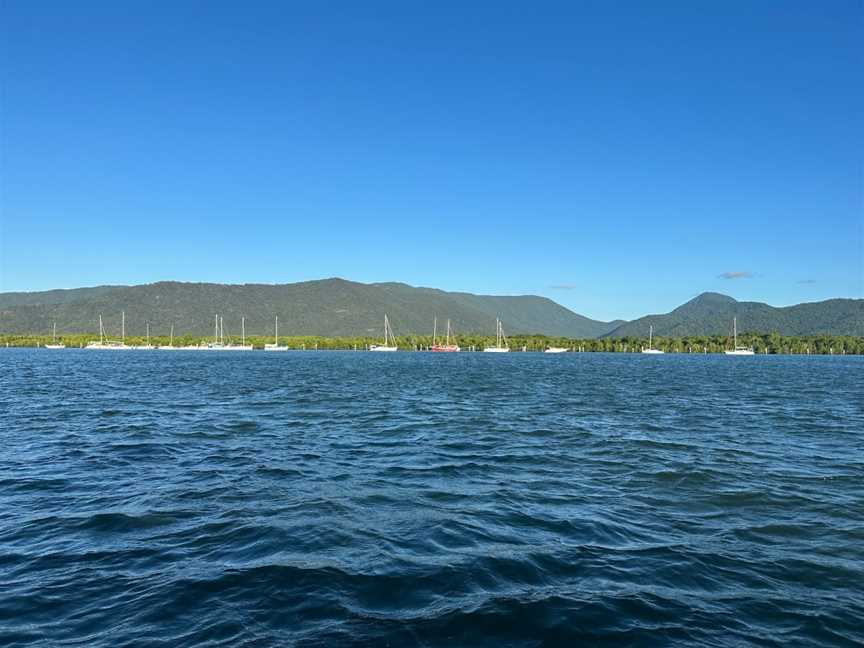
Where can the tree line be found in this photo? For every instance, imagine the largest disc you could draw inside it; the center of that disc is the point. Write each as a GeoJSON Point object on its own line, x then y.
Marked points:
{"type": "Point", "coordinates": [770, 343]}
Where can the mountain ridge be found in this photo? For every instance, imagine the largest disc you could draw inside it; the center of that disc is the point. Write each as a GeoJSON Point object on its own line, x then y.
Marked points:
{"type": "Point", "coordinates": [336, 306]}
{"type": "Point", "coordinates": [711, 314]}
{"type": "Point", "coordinates": [329, 307]}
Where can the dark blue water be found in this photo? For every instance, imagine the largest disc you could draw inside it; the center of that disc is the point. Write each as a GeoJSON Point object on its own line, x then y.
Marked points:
{"type": "Point", "coordinates": [323, 499]}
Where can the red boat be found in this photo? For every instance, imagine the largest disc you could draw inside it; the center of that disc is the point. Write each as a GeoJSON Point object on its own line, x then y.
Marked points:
{"type": "Point", "coordinates": [442, 348]}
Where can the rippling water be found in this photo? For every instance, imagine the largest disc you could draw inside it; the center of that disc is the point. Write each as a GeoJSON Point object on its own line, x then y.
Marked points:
{"type": "Point", "coordinates": [166, 499]}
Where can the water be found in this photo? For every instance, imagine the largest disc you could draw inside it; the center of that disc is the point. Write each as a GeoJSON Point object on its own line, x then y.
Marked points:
{"type": "Point", "coordinates": [322, 499]}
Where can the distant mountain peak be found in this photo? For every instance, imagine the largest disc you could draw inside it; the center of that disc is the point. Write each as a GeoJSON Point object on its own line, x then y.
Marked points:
{"type": "Point", "coordinates": [712, 298]}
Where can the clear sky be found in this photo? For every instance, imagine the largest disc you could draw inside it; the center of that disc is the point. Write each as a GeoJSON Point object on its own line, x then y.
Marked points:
{"type": "Point", "coordinates": [618, 157]}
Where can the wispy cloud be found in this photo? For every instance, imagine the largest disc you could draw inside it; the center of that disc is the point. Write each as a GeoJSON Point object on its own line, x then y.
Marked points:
{"type": "Point", "coordinates": [735, 275]}
{"type": "Point", "coordinates": [564, 287]}
{"type": "Point", "coordinates": [806, 281]}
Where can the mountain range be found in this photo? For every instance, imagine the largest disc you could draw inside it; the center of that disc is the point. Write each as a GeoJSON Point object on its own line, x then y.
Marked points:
{"type": "Point", "coordinates": [712, 313]}
{"type": "Point", "coordinates": [336, 307]}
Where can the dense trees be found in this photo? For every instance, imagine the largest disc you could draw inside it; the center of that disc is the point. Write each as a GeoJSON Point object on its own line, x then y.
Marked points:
{"type": "Point", "coordinates": [771, 343]}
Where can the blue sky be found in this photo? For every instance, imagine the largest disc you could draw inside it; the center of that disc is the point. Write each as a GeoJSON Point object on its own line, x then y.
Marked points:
{"type": "Point", "coordinates": [618, 157]}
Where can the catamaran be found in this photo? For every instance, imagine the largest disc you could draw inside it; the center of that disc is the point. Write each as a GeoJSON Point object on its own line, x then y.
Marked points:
{"type": "Point", "coordinates": [446, 347]}
{"type": "Point", "coordinates": [651, 348]}
{"type": "Point", "coordinates": [737, 350]}
{"type": "Point", "coordinates": [275, 345]}
{"type": "Point", "coordinates": [54, 344]}
{"type": "Point", "coordinates": [500, 340]}
{"type": "Point", "coordinates": [110, 345]}
{"type": "Point", "coordinates": [389, 339]}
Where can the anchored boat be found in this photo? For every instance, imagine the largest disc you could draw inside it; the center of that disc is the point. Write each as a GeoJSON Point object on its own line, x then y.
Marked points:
{"type": "Point", "coordinates": [651, 348]}
{"type": "Point", "coordinates": [500, 340]}
{"type": "Point", "coordinates": [274, 346]}
{"type": "Point", "coordinates": [54, 344]}
{"type": "Point", "coordinates": [738, 350]}
{"type": "Point", "coordinates": [446, 347]}
{"type": "Point", "coordinates": [389, 339]}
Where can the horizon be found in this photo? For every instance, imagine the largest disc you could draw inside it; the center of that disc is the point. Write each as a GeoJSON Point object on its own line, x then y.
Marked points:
{"type": "Point", "coordinates": [616, 162]}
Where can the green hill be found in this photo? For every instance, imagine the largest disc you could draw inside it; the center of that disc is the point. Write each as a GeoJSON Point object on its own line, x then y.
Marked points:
{"type": "Point", "coordinates": [329, 307]}
{"type": "Point", "coordinates": [712, 313]}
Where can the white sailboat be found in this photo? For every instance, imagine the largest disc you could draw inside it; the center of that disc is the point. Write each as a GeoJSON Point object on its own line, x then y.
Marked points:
{"type": "Point", "coordinates": [275, 345]}
{"type": "Point", "coordinates": [389, 339]}
{"type": "Point", "coordinates": [242, 346]}
{"type": "Point", "coordinates": [651, 348]}
{"type": "Point", "coordinates": [216, 344]}
{"type": "Point", "coordinates": [147, 346]}
{"type": "Point", "coordinates": [170, 346]}
{"type": "Point", "coordinates": [738, 350]}
{"type": "Point", "coordinates": [500, 340]}
{"type": "Point", "coordinates": [105, 344]}
{"type": "Point", "coordinates": [54, 344]}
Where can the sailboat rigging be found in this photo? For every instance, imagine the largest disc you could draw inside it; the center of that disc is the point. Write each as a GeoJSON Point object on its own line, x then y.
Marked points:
{"type": "Point", "coordinates": [389, 339]}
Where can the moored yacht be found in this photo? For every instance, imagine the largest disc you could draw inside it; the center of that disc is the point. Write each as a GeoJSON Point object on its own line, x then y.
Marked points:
{"type": "Point", "coordinates": [389, 339]}
{"type": "Point", "coordinates": [500, 340]}
{"type": "Point", "coordinates": [242, 346]}
{"type": "Point", "coordinates": [738, 350]}
{"type": "Point", "coordinates": [274, 346]}
{"type": "Point", "coordinates": [54, 344]}
{"type": "Point", "coordinates": [105, 344]}
{"type": "Point", "coordinates": [446, 347]}
{"type": "Point", "coordinates": [651, 348]}
{"type": "Point", "coordinates": [146, 346]}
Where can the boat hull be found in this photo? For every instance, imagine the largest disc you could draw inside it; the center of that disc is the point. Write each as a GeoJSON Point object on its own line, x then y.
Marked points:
{"type": "Point", "coordinates": [496, 350]}
{"type": "Point", "coordinates": [444, 348]}
{"type": "Point", "coordinates": [376, 347]}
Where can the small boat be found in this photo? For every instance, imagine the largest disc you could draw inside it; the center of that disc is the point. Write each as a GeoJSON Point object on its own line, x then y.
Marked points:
{"type": "Point", "coordinates": [110, 345]}
{"type": "Point", "coordinates": [446, 347]}
{"type": "Point", "coordinates": [738, 350]}
{"type": "Point", "coordinates": [54, 344]}
{"type": "Point", "coordinates": [500, 340]}
{"type": "Point", "coordinates": [275, 345]}
{"type": "Point", "coordinates": [389, 339]}
{"type": "Point", "coordinates": [651, 348]}
{"type": "Point", "coordinates": [555, 350]}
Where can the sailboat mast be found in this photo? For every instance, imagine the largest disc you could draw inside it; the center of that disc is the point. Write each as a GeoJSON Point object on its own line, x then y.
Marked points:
{"type": "Point", "coordinates": [54, 337]}
{"type": "Point", "coordinates": [215, 329]}
{"type": "Point", "coordinates": [148, 333]}
{"type": "Point", "coordinates": [243, 331]}
{"type": "Point", "coordinates": [434, 331]}
{"type": "Point", "coordinates": [171, 343]}
{"type": "Point", "coordinates": [277, 330]}
{"type": "Point", "coordinates": [448, 332]}
{"type": "Point", "coordinates": [101, 330]}
{"type": "Point", "coordinates": [735, 331]}
{"type": "Point", "coordinates": [650, 336]}
{"type": "Point", "coordinates": [221, 330]}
